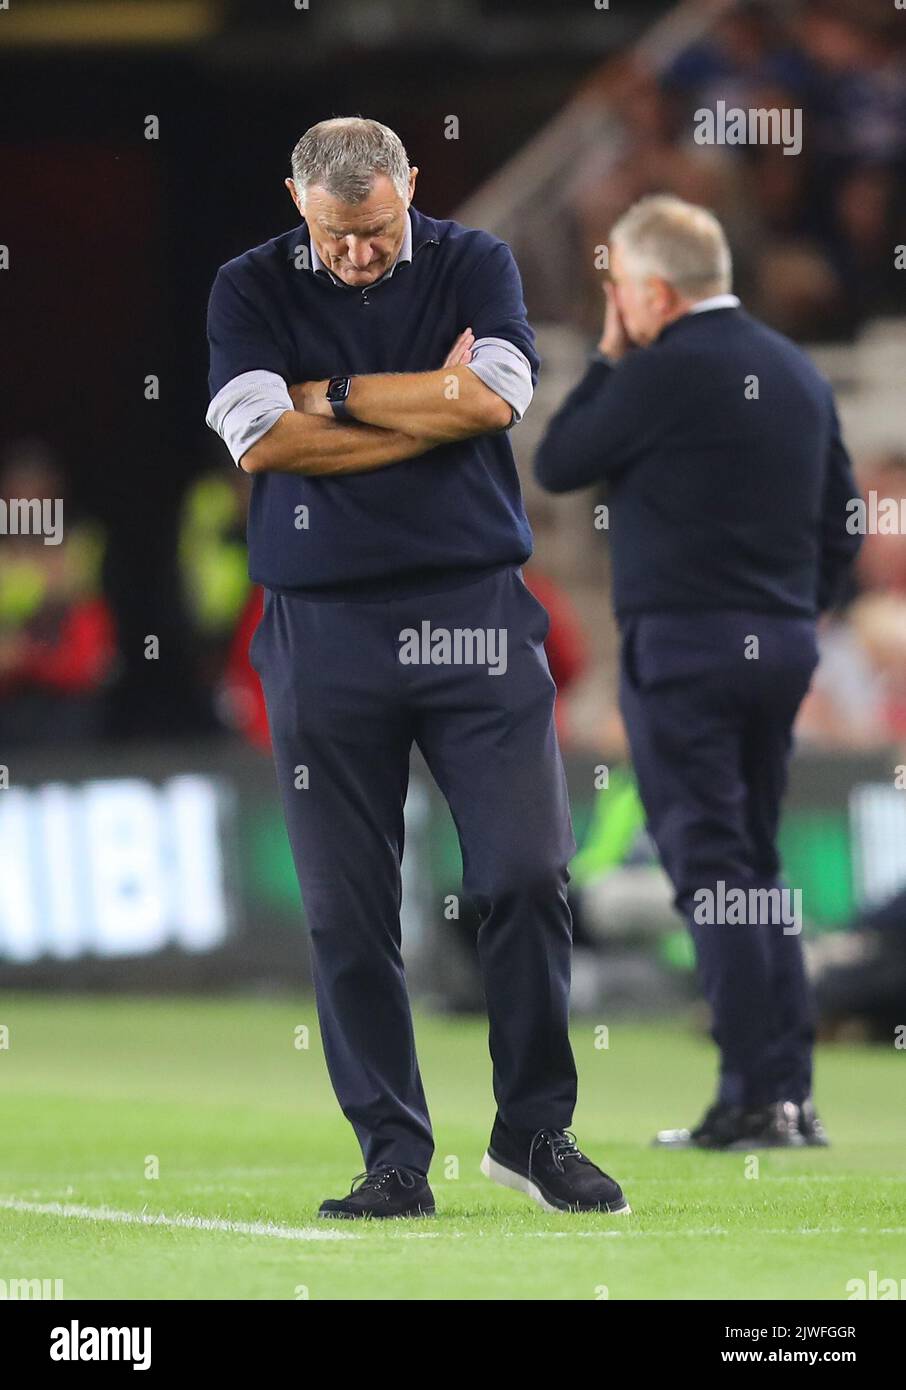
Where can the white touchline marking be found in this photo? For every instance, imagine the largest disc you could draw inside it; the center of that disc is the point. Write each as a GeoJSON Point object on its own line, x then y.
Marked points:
{"type": "Point", "coordinates": [724, 1231]}
{"type": "Point", "coordinates": [74, 1211]}
{"type": "Point", "coordinates": [686, 1235]}
{"type": "Point", "coordinates": [770, 1177]}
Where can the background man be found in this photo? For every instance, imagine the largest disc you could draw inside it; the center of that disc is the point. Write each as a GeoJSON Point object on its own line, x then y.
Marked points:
{"type": "Point", "coordinates": [728, 486]}
{"type": "Point", "coordinates": [330, 361]}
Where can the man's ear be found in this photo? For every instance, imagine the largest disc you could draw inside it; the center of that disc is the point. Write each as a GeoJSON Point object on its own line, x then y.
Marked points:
{"type": "Point", "coordinates": [294, 194]}
{"type": "Point", "coordinates": [663, 294]}
{"type": "Point", "coordinates": [413, 175]}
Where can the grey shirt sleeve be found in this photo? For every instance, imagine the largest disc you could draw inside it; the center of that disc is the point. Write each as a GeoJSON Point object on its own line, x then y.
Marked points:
{"type": "Point", "coordinates": [246, 408]}
{"type": "Point", "coordinates": [506, 370]}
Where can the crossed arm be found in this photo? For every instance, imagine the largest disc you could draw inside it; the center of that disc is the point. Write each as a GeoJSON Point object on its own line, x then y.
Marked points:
{"type": "Point", "coordinates": [399, 417]}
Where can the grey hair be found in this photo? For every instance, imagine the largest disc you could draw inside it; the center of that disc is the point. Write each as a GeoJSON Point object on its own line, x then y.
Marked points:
{"type": "Point", "coordinates": [682, 243]}
{"type": "Point", "coordinates": [344, 154]}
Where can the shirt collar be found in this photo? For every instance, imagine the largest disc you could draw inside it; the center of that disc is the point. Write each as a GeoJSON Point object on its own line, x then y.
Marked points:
{"type": "Point", "coordinates": [715, 301]}
{"type": "Point", "coordinates": [405, 254]}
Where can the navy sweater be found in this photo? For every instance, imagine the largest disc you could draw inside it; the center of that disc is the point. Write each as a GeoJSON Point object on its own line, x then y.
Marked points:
{"type": "Point", "coordinates": [422, 524]}
{"type": "Point", "coordinates": [716, 500]}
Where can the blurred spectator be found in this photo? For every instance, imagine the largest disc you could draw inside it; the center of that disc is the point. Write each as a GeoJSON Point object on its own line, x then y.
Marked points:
{"type": "Point", "coordinates": [859, 976]}
{"type": "Point", "coordinates": [214, 564]}
{"type": "Point", "coordinates": [242, 699]}
{"type": "Point", "coordinates": [747, 47]}
{"type": "Point", "coordinates": [866, 213]}
{"type": "Point", "coordinates": [566, 646]}
{"type": "Point", "coordinates": [796, 290]}
{"type": "Point", "coordinates": [812, 234]}
{"type": "Point", "coordinates": [56, 632]}
{"type": "Point", "coordinates": [881, 565]}
{"type": "Point", "coordinates": [857, 80]}
{"type": "Point", "coordinates": [858, 695]}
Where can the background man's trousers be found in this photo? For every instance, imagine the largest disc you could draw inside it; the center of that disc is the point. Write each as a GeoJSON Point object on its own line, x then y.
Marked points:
{"type": "Point", "coordinates": [709, 728]}
{"type": "Point", "coordinates": [342, 705]}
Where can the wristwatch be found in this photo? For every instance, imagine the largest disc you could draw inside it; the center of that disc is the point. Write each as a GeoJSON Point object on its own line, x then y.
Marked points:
{"type": "Point", "coordinates": [337, 391]}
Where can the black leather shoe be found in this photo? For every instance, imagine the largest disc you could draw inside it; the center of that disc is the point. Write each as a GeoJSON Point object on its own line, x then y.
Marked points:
{"type": "Point", "coordinates": [385, 1193]}
{"type": "Point", "coordinates": [550, 1168]}
{"type": "Point", "coordinates": [737, 1127]}
{"type": "Point", "coordinates": [810, 1126]}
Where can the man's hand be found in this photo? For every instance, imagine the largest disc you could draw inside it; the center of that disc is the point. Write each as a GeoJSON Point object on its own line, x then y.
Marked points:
{"type": "Point", "coordinates": [460, 354]}
{"type": "Point", "coordinates": [615, 342]}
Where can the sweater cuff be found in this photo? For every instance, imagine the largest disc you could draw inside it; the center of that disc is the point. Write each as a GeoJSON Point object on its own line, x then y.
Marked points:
{"type": "Point", "coordinates": [506, 370]}
{"type": "Point", "coordinates": [245, 409]}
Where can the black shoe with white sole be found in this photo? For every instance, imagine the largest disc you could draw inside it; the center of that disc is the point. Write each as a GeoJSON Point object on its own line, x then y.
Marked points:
{"type": "Point", "coordinates": [383, 1194]}
{"type": "Point", "coordinates": [810, 1126]}
{"type": "Point", "coordinates": [739, 1128]}
{"type": "Point", "coordinates": [550, 1168]}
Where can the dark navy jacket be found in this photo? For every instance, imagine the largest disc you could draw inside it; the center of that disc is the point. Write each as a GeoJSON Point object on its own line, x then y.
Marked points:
{"type": "Point", "coordinates": [424, 523]}
{"type": "Point", "coordinates": [716, 501]}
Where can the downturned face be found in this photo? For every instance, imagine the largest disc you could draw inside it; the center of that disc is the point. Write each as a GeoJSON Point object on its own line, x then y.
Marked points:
{"type": "Point", "coordinates": [358, 242]}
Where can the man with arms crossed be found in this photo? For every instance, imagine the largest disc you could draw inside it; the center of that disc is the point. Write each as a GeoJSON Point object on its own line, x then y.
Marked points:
{"type": "Point", "coordinates": [385, 505]}
{"type": "Point", "coordinates": [728, 487]}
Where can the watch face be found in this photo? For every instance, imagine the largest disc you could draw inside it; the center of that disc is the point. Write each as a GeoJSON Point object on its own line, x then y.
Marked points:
{"type": "Point", "coordinates": [338, 388]}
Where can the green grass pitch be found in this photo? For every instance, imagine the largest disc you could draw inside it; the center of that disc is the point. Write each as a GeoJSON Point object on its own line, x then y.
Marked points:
{"type": "Point", "coordinates": [248, 1139]}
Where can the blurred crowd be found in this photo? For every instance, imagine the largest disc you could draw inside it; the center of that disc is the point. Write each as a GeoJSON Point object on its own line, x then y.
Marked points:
{"type": "Point", "coordinates": [858, 696]}
{"type": "Point", "coordinates": [813, 233]}
{"type": "Point", "coordinates": [57, 637]}
{"type": "Point", "coordinates": [59, 657]}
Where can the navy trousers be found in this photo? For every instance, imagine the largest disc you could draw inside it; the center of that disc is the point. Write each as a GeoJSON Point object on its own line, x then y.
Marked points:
{"type": "Point", "coordinates": [344, 711]}
{"type": "Point", "coordinates": [709, 716]}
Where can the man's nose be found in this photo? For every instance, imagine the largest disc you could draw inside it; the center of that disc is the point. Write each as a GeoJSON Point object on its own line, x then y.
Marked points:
{"type": "Point", "coordinates": [360, 253]}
